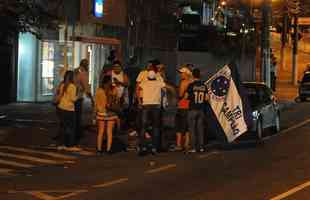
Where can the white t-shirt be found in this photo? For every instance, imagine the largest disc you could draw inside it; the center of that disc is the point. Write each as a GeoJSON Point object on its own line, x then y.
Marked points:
{"type": "Point", "coordinates": [151, 91]}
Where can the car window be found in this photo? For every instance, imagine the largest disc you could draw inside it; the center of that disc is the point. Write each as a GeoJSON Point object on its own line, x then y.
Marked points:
{"type": "Point", "coordinates": [252, 95]}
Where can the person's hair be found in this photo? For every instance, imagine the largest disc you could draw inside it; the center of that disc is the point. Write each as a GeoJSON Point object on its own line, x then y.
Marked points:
{"type": "Point", "coordinates": [154, 62]}
{"type": "Point", "coordinates": [68, 79]}
{"type": "Point", "coordinates": [190, 66]}
{"type": "Point", "coordinates": [105, 82]}
{"type": "Point", "coordinates": [153, 68]}
{"type": "Point", "coordinates": [84, 64]}
{"type": "Point", "coordinates": [117, 62]}
{"type": "Point", "coordinates": [196, 73]}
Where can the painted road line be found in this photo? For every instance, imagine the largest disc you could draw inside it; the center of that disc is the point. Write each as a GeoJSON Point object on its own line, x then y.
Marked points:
{"type": "Point", "coordinates": [51, 154]}
{"type": "Point", "coordinates": [43, 196]}
{"type": "Point", "coordinates": [6, 172]}
{"type": "Point", "coordinates": [208, 155]}
{"type": "Point", "coordinates": [84, 153]}
{"type": "Point", "coordinates": [15, 164]}
{"type": "Point", "coordinates": [36, 121]}
{"type": "Point", "coordinates": [291, 191]}
{"type": "Point", "coordinates": [30, 158]}
{"type": "Point", "coordinates": [160, 169]}
{"type": "Point", "coordinates": [301, 124]}
{"type": "Point", "coordinates": [107, 184]}
{"type": "Point", "coordinates": [44, 191]}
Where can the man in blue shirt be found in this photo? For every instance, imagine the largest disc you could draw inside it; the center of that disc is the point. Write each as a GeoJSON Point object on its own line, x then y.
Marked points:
{"type": "Point", "coordinates": [197, 94]}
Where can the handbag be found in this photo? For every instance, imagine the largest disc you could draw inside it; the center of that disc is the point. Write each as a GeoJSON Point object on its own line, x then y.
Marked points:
{"type": "Point", "coordinates": [58, 95]}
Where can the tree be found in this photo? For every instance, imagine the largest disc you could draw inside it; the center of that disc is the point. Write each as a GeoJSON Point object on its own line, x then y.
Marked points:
{"type": "Point", "coordinates": [32, 16]}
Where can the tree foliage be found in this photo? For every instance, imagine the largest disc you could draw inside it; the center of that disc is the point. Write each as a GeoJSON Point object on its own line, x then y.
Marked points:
{"type": "Point", "coordinates": [28, 16]}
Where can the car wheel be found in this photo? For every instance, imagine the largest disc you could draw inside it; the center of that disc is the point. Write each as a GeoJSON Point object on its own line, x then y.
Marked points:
{"type": "Point", "coordinates": [276, 127]}
{"type": "Point", "coordinates": [259, 130]}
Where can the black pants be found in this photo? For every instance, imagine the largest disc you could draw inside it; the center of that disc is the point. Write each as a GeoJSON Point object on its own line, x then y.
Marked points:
{"type": "Point", "coordinates": [68, 121]}
{"type": "Point", "coordinates": [150, 116]}
{"type": "Point", "coordinates": [59, 136]}
{"type": "Point", "coordinates": [273, 80]}
{"type": "Point", "coordinates": [78, 119]}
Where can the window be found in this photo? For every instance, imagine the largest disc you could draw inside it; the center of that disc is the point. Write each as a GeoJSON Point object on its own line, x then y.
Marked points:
{"type": "Point", "coordinates": [47, 76]}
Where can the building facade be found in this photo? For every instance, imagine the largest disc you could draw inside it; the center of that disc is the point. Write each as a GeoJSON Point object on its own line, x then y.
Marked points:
{"type": "Point", "coordinates": [90, 29]}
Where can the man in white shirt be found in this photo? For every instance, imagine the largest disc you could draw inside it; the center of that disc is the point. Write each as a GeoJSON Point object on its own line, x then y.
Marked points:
{"type": "Point", "coordinates": [152, 65]}
{"type": "Point", "coordinates": [150, 92]}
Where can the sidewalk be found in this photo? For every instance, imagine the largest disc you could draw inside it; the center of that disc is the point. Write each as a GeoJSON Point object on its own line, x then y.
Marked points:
{"type": "Point", "coordinates": [36, 124]}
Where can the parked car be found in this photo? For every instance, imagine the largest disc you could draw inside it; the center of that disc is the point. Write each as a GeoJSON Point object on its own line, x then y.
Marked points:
{"type": "Point", "coordinates": [265, 109]}
{"type": "Point", "coordinates": [304, 86]}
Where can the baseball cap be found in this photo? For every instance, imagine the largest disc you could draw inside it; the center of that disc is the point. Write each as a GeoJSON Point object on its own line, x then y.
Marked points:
{"type": "Point", "coordinates": [184, 70]}
{"type": "Point", "coordinates": [117, 64]}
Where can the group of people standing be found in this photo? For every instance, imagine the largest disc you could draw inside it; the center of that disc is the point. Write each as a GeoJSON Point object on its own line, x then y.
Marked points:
{"type": "Point", "coordinates": [192, 96]}
{"type": "Point", "coordinates": [150, 99]}
{"type": "Point", "coordinates": [110, 99]}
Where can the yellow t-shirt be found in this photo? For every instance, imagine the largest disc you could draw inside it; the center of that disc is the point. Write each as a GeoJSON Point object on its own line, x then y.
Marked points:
{"type": "Point", "coordinates": [101, 100]}
{"type": "Point", "coordinates": [68, 98]}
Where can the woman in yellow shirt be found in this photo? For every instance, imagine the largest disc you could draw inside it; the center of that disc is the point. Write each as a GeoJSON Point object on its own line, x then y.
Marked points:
{"type": "Point", "coordinates": [67, 110]}
{"type": "Point", "coordinates": [106, 95]}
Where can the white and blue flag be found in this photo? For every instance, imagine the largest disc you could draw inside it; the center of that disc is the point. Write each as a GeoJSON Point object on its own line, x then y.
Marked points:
{"type": "Point", "coordinates": [226, 103]}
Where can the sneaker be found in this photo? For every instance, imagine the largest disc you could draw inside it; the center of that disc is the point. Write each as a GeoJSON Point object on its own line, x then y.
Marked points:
{"type": "Point", "coordinates": [201, 150]}
{"type": "Point", "coordinates": [178, 148]}
{"type": "Point", "coordinates": [60, 148]}
{"type": "Point", "coordinates": [142, 153]}
{"type": "Point", "coordinates": [109, 152]}
{"type": "Point", "coordinates": [154, 151]}
{"type": "Point", "coordinates": [99, 152]}
{"type": "Point", "coordinates": [192, 151]}
{"type": "Point", "coordinates": [133, 133]}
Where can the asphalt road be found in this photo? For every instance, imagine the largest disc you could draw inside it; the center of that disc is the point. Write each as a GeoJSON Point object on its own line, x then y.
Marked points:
{"type": "Point", "coordinates": [276, 169]}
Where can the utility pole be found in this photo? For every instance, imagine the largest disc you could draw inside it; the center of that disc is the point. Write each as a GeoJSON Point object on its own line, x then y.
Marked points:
{"type": "Point", "coordinates": [294, 10]}
{"type": "Point", "coordinates": [284, 40]}
{"type": "Point", "coordinates": [265, 45]}
{"type": "Point", "coordinates": [295, 51]}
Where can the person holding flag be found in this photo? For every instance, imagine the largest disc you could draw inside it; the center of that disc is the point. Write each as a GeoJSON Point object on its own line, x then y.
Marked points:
{"type": "Point", "coordinates": [197, 93]}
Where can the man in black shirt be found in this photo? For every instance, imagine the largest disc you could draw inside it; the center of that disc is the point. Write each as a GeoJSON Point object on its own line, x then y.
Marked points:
{"type": "Point", "coordinates": [197, 94]}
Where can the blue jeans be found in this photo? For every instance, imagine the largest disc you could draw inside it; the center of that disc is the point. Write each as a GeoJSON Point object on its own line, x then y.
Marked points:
{"type": "Point", "coordinates": [196, 125]}
{"type": "Point", "coordinates": [150, 116]}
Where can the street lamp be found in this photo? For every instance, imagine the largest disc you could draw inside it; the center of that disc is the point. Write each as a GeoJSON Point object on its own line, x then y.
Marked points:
{"type": "Point", "coordinates": [224, 5]}
{"type": "Point", "coordinates": [294, 10]}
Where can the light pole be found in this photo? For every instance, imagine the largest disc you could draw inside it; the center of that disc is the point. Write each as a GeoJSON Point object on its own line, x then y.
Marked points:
{"type": "Point", "coordinates": [265, 45]}
{"type": "Point", "coordinates": [294, 10]}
